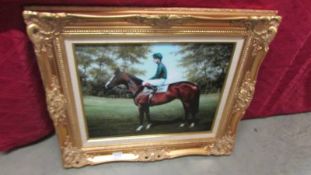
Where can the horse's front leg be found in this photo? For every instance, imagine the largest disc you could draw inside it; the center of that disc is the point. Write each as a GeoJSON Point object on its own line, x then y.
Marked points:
{"type": "Point", "coordinates": [141, 118]}
{"type": "Point", "coordinates": [148, 117]}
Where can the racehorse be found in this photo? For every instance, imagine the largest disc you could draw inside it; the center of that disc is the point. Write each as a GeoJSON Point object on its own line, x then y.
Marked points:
{"type": "Point", "coordinates": [187, 92]}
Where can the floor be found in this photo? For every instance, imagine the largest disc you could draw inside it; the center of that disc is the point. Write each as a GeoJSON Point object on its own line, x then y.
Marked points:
{"type": "Point", "coordinates": [271, 146]}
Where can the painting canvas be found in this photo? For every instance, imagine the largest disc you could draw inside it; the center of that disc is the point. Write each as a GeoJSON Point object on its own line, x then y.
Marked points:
{"type": "Point", "coordinates": [151, 88]}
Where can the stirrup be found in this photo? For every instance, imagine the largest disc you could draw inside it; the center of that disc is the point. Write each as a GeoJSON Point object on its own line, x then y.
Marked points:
{"type": "Point", "coordinates": [150, 97]}
{"type": "Point", "coordinates": [154, 90]}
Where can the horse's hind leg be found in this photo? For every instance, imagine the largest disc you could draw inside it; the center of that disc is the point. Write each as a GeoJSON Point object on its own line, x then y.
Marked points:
{"type": "Point", "coordinates": [186, 109]}
{"type": "Point", "coordinates": [141, 119]}
{"type": "Point", "coordinates": [193, 112]}
{"type": "Point", "coordinates": [192, 121]}
{"type": "Point", "coordinates": [148, 117]}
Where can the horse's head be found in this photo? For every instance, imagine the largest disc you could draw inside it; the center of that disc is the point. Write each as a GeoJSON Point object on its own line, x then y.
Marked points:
{"type": "Point", "coordinates": [117, 79]}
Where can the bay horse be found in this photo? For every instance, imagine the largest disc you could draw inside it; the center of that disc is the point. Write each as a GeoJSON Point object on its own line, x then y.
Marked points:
{"type": "Point", "coordinates": [187, 92]}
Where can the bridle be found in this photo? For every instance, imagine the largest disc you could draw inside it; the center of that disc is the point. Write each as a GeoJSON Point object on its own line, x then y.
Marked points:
{"type": "Point", "coordinates": [109, 81]}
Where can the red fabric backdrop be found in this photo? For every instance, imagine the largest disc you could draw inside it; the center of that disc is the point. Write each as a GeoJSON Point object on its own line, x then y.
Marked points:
{"type": "Point", "coordinates": [284, 82]}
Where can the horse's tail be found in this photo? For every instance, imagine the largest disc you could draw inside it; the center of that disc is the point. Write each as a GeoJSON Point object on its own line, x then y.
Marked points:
{"type": "Point", "coordinates": [196, 100]}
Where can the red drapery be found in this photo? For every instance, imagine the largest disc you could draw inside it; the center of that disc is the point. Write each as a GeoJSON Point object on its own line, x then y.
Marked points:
{"type": "Point", "coordinates": [284, 81]}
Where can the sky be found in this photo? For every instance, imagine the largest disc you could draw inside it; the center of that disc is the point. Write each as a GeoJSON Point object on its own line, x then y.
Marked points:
{"type": "Point", "coordinates": [170, 60]}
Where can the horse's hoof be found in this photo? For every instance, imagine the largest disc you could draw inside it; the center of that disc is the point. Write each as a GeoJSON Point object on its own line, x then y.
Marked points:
{"type": "Point", "coordinates": [148, 126]}
{"type": "Point", "coordinates": [139, 128]}
{"type": "Point", "coordinates": [192, 125]}
{"type": "Point", "coordinates": [182, 125]}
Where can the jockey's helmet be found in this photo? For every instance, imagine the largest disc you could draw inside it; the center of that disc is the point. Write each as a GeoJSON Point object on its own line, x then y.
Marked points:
{"type": "Point", "coordinates": [158, 56]}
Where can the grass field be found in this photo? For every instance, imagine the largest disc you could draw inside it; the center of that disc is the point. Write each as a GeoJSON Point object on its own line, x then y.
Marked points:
{"type": "Point", "coordinates": [108, 117]}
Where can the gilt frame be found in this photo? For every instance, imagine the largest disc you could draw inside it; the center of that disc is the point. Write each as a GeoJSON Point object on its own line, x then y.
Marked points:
{"type": "Point", "coordinates": [47, 28]}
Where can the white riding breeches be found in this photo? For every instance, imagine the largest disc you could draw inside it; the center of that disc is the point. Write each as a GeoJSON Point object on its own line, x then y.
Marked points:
{"type": "Point", "coordinates": [155, 82]}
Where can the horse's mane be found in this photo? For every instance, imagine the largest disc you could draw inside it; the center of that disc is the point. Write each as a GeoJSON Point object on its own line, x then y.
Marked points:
{"type": "Point", "coordinates": [138, 81]}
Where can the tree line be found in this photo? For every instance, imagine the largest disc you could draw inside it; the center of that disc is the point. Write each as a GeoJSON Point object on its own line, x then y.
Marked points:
{"type": "Point", "coordinates": [206, 64]}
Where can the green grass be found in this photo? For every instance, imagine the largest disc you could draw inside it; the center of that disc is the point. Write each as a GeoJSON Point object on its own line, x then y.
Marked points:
{"type": "Point", "coordinates": [108, 117]}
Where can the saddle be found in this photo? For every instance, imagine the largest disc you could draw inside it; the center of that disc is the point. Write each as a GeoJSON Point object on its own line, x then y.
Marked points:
{"type": "Point", "coordinates": [151, 91]}
{"type": "Point", "coordinates": [156, 89]}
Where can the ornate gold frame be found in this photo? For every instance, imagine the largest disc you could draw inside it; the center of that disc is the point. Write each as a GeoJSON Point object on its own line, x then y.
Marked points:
{"type": "Point", "coordinates": [47, 28]}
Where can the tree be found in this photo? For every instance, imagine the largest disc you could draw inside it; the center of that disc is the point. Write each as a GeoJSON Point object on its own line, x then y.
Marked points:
{"type": "Point", "coordinates": [130, 55]}
{"type": "Point", "coordinates": [96, 63]}
{"type": "Point", "coordinates": [206, 63]}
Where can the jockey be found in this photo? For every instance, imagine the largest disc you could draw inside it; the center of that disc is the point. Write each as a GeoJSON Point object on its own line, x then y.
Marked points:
{"type": "Point", "coordinates": [159, 78]}
{"type": "Point", "coordinates": [161, 74]}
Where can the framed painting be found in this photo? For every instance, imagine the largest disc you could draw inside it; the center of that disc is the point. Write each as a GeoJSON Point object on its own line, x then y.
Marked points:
{"type": "Point", "coordinates": [146, 84]}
